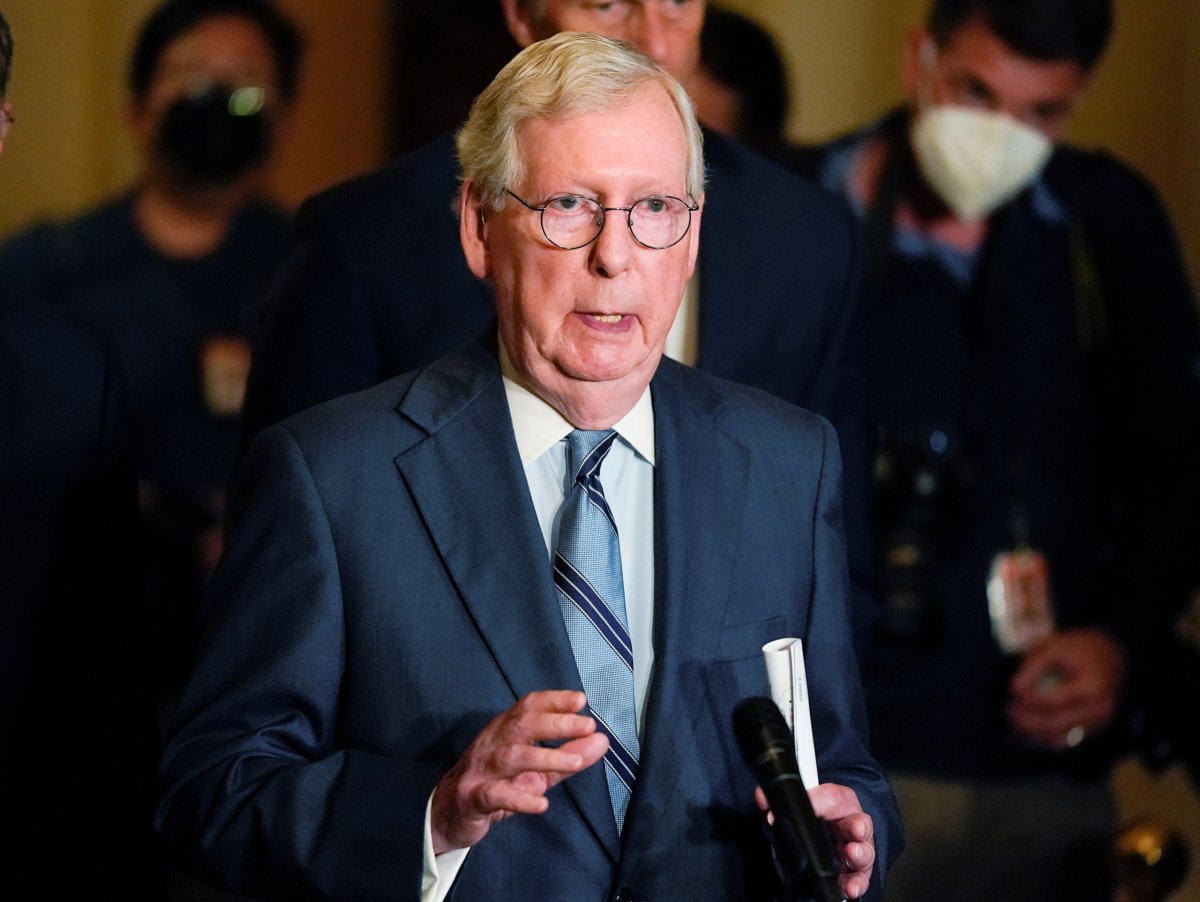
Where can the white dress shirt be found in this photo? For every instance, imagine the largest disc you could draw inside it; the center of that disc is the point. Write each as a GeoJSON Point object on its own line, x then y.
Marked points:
{"type": "Point", "coordinates": [683, 341]}
{"type": "Point", "coordinates": [627, 475]}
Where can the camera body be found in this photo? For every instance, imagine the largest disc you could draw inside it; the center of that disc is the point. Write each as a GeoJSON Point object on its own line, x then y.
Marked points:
{"type": "Point", "coordinates": [921, 486]}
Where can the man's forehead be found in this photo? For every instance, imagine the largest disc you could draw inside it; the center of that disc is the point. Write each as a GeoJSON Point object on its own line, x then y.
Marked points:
{"type": "Point", "coordinates": [612, 137]}
{"type": "Point", "coordinates": [225, 44]}
{"type": "Point", "coordinates": [975, 51]}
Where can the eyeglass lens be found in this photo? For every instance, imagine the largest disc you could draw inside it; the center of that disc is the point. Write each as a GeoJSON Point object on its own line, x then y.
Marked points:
{"type": "Point", "coordinates": [658, 222]}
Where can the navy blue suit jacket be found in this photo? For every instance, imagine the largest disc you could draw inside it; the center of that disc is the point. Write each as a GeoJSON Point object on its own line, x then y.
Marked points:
{"type": "Point", "coordinates": [377, 285]}
{"type": "Point", "coordinates": [386, 592]}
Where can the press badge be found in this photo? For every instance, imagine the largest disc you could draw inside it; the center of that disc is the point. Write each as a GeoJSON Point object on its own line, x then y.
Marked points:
{"type": "Point", "coordinates": [1019, 602]}
{"type": "Point", "coordinates": [224, 366]}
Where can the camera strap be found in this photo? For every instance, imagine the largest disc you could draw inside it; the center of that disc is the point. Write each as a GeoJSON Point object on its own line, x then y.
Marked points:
{"type": "Point", "coordinates": [988, 315]}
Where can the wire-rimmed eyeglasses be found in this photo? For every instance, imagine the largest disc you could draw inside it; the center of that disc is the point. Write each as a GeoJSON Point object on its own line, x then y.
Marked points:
{"type": "Point", "coordinates": [572, 221]}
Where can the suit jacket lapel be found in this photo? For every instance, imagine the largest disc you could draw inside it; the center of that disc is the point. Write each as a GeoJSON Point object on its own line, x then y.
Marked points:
{"type": "Point", "coordinates": [466, 478]}
{"type": "Point", "coordinates": [697, 476]}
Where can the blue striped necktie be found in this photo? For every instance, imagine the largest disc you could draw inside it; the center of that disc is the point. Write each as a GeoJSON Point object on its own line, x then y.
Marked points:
{"type": "Point", "coordinates": [591, 594]}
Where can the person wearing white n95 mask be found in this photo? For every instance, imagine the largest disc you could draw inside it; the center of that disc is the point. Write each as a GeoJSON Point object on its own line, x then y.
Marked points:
{"type": "Point", "coordinates": [976, 159]}
{"type": "Point", "coordinates": [1034, 341]}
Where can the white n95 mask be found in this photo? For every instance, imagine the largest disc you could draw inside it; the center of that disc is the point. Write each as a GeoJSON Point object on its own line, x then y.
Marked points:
{"type": "Point", "coordinates": [976, 159]}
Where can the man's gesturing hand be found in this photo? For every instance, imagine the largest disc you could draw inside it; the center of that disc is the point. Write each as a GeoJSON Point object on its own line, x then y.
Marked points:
{"type": "Point", "coordinates": [505, 772]}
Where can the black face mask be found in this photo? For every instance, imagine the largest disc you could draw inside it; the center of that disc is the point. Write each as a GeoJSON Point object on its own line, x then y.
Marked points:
{"type": "Point", "coordinates": [215, 136]}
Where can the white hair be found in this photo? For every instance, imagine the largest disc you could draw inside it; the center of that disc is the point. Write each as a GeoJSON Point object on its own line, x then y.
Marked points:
{"type": "Point", "coordinates": [569, 73]}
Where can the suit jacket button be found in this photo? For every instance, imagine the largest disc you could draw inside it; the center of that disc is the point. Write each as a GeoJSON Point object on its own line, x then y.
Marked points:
{"type": "Point", "coordinates": [624, 894]}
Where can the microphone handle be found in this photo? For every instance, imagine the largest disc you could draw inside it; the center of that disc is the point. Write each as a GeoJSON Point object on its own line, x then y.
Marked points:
{"type": "Point", "coordinates": [802, 841]}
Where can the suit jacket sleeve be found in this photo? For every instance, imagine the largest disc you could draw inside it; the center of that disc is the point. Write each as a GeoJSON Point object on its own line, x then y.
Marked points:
{"type": "Point", "coordinates": [254, 781]}
{"type": "Point", "coordinates": [839, 719]}
{"type": "Point", "coordinates": [1149, 366]}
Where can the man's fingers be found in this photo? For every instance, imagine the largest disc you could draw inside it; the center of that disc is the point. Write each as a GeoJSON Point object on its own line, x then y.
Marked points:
{"type": "Point", "coordinates": [563, 761]}
{"type": "Point", "coordinates": [855, 885]}
{"type": "Point", "coordinates": [832, 801]}
{"type": "Point", "coordinates": [1037, 723]}
{"type": "Point", "coordinates": [857, 828]}
{"type": "Point", "coordinates": [590, 748]}
{"type": "Point", "coordinates": [860, 856]}
{"type": "Point", "coordinates": [509, 796]}
{"type": "Point", "coordinates": [543, 717]}
{"type": "Point", "coordinates": [531, 728]}
{"type": "Point", "coordinates": [858, 863]}
{"type": "Point", "coordinates": [760, 799]}
{"type": "Point", "coordinates": [567, 701]}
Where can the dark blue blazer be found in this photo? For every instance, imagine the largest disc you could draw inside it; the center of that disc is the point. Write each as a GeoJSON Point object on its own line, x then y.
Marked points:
{"type": "Point", "coordinates": [386, 592]}
{"type": "Point", "coordinates": [377, 285]}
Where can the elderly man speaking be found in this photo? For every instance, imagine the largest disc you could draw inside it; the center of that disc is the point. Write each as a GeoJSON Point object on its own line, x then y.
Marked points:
{"type": "Point", "coordinates": [479, 630]}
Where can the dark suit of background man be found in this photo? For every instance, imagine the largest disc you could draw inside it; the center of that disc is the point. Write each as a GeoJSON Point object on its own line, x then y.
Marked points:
{"type": "Point", "coordinates": [385, 671]}
{"type": "Point", "coordinates": [78, 738]}
{"type": "Point", "coordinates": [1036, 383]}
{"type": "Point", "coordinates": [376, 283]}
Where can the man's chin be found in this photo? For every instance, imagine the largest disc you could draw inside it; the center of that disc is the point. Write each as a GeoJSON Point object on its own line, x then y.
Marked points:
{"type": "Point", "coordinates": [605, 370]}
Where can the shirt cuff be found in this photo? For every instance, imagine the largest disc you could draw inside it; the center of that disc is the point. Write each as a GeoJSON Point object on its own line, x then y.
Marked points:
{"type": "Point", "coordinates": [440, 870]}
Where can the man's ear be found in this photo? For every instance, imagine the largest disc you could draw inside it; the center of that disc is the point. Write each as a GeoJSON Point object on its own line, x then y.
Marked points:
{"type": "Point", "coordinates": [520, 22]}
{"type": "Point", "coordinates": [694, 238]}
{"type": "Point", "coordinates": [139, 122]}
{"type": "Point", "coordinates": [472, 230]}
{"type": "Point", "coordinates": [915, 64]}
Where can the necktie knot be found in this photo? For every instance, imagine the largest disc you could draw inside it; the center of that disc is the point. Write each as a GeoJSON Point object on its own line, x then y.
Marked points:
{"type": "Point", "coordinates": [586, 450]}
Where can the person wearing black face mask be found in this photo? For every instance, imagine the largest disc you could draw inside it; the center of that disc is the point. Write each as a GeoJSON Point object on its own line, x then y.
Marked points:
{"type": "Point", "coordinates": [172, 271]}
{"type": "Point", "coordinates": [216, 133]}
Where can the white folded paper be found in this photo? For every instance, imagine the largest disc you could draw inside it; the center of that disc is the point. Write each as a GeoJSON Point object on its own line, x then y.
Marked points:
{"type": "Point", "coordinates": [789, 690]}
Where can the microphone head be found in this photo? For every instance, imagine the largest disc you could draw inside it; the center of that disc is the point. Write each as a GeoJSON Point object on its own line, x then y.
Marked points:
{"type": "Point", "coordinates": [764, 738]}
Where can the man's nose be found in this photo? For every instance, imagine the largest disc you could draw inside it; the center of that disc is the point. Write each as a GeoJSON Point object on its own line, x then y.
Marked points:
{"type": "Point", "coordinates": [611, 252]}
{"type": "Point", "coordinates": [649, 32]}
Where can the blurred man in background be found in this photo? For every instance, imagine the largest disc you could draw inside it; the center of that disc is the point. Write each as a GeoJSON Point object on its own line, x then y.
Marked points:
{"type": "Point", "coordinates": [173, 272]}
{"type": "Point", "coordinates": [1034, 354]}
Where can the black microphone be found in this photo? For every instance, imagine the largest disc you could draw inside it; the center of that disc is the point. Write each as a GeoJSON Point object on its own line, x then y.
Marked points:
{"type": "Point", "coordinates": [802, 844]}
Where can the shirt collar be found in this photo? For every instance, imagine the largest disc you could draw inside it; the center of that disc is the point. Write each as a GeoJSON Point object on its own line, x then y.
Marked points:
{"type": "Point", "coordinates": [538, 426]}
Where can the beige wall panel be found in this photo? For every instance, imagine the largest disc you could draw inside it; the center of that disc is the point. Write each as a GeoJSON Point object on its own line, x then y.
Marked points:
{"type": "Point", "coordinates": [1138, 106]}
{"type": "Point", "coordinates": [339, 128]}
{"type": "Point", "coordinates": [63, 145]}
{"type": "Point", "coordinates": [843, 56]}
